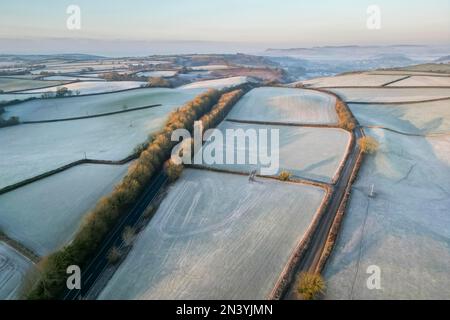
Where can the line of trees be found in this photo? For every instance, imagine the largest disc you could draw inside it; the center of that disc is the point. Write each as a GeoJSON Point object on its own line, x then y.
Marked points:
{"type": "Point", "coordinates": [346, 119]}
{"type": "Point", "coordinates": [110, 208]}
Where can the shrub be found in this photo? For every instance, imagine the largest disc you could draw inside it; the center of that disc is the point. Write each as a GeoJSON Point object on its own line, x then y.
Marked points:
{"type": "Point", "coordinates": [10, 122]}
{"type": "Point", "coordinates": [158, 82]}
{"type": "Point", "coordinates": [368, 144]}
{"type": "Point", "coordinates": [62, 92]}
{"type": "Point", "coordinates": [128, 235]}
{"type": "Point", "coordinates": [346, 120]}
{"type": "Point", "coordinates": [173, 170]}
{"type": "Point", "coordinates": [284, 176]}
{"type": "Point", "coordinates": [114, 255]}
{"type": "Point", "coordinates": [310, 285]}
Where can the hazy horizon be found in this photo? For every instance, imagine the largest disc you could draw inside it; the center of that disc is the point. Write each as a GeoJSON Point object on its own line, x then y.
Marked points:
{"type": "Point", "coordinates": [216, 26]}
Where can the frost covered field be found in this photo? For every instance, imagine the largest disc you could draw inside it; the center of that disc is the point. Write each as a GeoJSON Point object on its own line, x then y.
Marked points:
{"type": "Point", "coordinates": [417, 118]}
{"type": "Point", "coordinates": [356, 79]}
{"type": "Point", "coordinates": [45, 214]}
{"type": "Point", "coordinates": [217, 83]}
{"type": "Point", "coordinates": [36, 148]}
{"type": "Point", "coordinates": [313, 153]}
{"type": "Point", "coordinates": [404, 230]}
{"type": "Point", "coordinates": [13, 84]}
{"type": "Point", "coordinates": [228, 240]}
{"type": "Point", "coordinates": [57, 108]}
{"type": "Point", "coordinates": [427, 81]}
{"type": "Point", "coordinates": [93, 87]}
{"type": "Point", "coordinates": [286, 105]}
{"type": "Point", "coordinates": [13, 267]}
{"type": "Point", "coordinates": [390, 94]}
{"type": "Point", "coordinates": [161, 73]}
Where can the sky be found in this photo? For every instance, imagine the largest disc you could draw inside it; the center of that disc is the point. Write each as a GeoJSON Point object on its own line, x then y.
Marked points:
{"type": "Point", "coordinates": [257, 23]}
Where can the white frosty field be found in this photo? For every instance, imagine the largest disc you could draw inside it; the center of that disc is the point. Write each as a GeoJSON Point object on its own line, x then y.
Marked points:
{"type": "Point", "coordinates": [92, 87]}
{"type": "Point", "coordinates": [286, 105]}
{"type": "Point", "coordinates": [404, 230]}
{"type": "Point", "coordinates": [390, 94]}
{"type": "Point", "coordinates": [423, 81]}
{"type": "Point", "coordinates": [11, 84]}
{"type": "Point", "coordinates": [356, 79]}
{"type": "Point", "coordinates": [417, 118]}
{"type": "Point", "coordinates": [70, 78]}
{"type": "Point", "coordinates": [230, 239]}
{"type": "Point", "coordinates": [162, 73]}
{"type": "Point", "coordinates": [45, 214]}
{"type": "Point", "coordinates": [13, 267]}
{"type": "Point", "coordinates": [210, 67]}
{"type": "Point", "coordinates": [313, 153]}
{"type": "Point", "coordinates": [57, 108]}
{"type": "Point", "coordinates": [31, 149]}
{"type": "Point", "coordinates": [216, 83]}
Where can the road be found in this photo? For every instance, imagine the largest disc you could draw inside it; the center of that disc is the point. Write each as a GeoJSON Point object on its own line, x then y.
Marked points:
{"type": "Point", "coordinates": [312, 254]}
{"type": "Point", "coordinates": [98, 264]}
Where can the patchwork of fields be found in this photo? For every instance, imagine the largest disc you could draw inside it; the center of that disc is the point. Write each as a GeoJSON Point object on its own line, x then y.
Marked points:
{"type": "Point", "coordinates": [228, 240]}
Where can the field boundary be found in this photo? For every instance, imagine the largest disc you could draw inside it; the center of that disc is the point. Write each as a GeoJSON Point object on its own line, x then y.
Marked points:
{"type": "Point", "coordinates": [70, 165]}
{"type": "Point", "coordinates": [289, 271]}
{"type": "Point", "coordinates": [289, 124]}
{"type": "Point", "coordinates": [394, 81]}
{"type": "Point", "coordinates": [91, 116]}
{"type": "Point", "coordinates": [19, 247]}
{"type": "Point", "coordinates": [397, 102]}
{"type": "Point", "coordinates": [39, 88]}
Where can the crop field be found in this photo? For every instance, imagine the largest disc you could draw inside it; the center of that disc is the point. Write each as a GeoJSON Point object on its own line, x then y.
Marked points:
{"type": "Point", "coordinates": [423, 81]}
{"type": "Point", "coordinates": [71, 78]}
{"type": "Point", "coordinates": [404, 229]}
{"type": "Point", "coordinates": [228, 240]}
{"type": "Point", "coordinates": [37, 148]}
{"type": "Point", "coordinates": [216, 83]}
{"type": "Point", "coordinates": [59, 201]}
{"type": "Point", "coordinates": [162, 73]}
{"type": "Point", "coordinates": [58, 108]}
{"type": "Point", "coordinates": [357, 79]}
{"type": "Point", "coordinates": [13, 267]}
{"type": "Point", "coordinates": [210, 67]}
{"type": "Point", "coordinates": [391, 94]}
{"type": "Point", "coordinates": [418, 118]}
{"type": "Point", "coordinates": [92, 87]}
{"type": "Point", "coordinates": [286, 105]}
{"type": "Point", "coordinates": [313, 153]}
{"type": "Point", "coordinates": [10, 84]}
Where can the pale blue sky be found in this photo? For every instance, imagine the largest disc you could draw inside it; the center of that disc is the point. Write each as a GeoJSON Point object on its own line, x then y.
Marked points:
{"type": "Point", "coordinates": [297, 22]}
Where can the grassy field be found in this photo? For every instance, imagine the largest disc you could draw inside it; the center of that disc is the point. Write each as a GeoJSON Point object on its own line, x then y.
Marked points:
{"type": "Point", "coordinates": [286, 105]}
{"type": "Point", "coordinates": [423, 81]}
{"type": "Point", "coordinates": [37, 148]}
{"type": "Point", "coordinates": [404, 230]}
{"type": "Point", "coordinates": [313, 153]}
{"type": "Point", "coordinates": [13, 267]}
{"type": "Point", "coordinates": [356, 79]}
{"type": "Point", "coordinates": [44, 109]}
{"type": "Point", "coordinates": [45, 214]}
{"type": "Point", "coordinates": [93, 87]}
{"type": "Point", "coordinates": [418, 118]}
{"type": "Point", "coordinates": [391, 94]}
{"type": "Point", "coordinates": [10, 84]}
{"type": "Point", "coordinates": [216, 83]}
{"type": "Point", "coordinates": [230, 239]}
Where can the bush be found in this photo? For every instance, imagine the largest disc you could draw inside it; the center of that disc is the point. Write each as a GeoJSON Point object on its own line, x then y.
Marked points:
{"type": "Point", "coordinates": [62, 92]}
{"type": "Point", "coordinates": [346, 120]}
{"type": "Point", "coordinates": [10, 122]}
{"type": "Point", "coordinates": [158, 82]}
{"type": "Point", "coordinates": [128, 235]}
{"type": "Point", "coordinates": [368, 144]}
{"type": "Point", "coordinates": [284, 176]}
{"type": "Point", "coordinates": [173, 170]}
{"type": "Point", "coordinates": [114, 255]}
{"type": "Point", "coordinates": [310, 285]}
